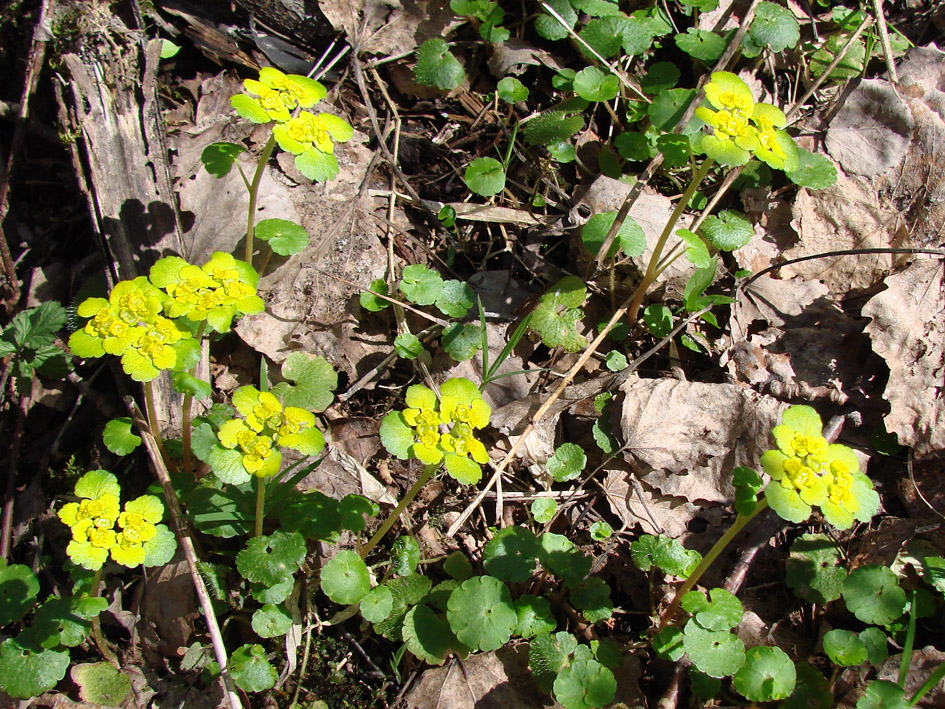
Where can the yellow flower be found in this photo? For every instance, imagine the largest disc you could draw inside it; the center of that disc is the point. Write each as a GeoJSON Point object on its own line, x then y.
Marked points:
{"type": "Point", "coordinates": [275, 95]}
{"type": "Point", "coordinates": [308, 131]}
{"type": "Point", "coordinates": [258, 457]}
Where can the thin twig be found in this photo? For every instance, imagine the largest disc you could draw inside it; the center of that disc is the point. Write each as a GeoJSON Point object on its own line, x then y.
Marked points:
{"type": "Point", "coordinates": [6, 525]}
{"type": "Point", "coordinates": [884, 41]}
{"type": "Point", "coordinates": [186, 543]}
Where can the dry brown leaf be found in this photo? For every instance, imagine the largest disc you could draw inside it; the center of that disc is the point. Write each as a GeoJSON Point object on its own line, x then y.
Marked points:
{"type": "Point", "coordinates": [684, 438]}
{"type": "Point", "coordinates": [169, 603]}
{"type": "Point", "coordinates": [908, 331]}
{"type": "Point", "coordinates": [389, 27]}
{"type": "Point", "coordinates": [847, 215]}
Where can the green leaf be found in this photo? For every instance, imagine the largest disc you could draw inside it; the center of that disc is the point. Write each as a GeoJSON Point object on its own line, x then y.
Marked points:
{"type": "Point", "coordinates": [101, 683]}
{"type": "Point", "coordinates": [534, 616]}
{"type": "Point", "coordinates": [876, 643]}
{"type": "Point", "coordinates": [421, 284]}
{"type": "Point", "coordinates": [314, 380]}
{"type": "Point", "coordinates": [485, 176]}
{"type": "Point", "coordinates": [883, 694]}
{"type": "Point", "coordinates": [354, 509]}
{"type": "Point", "coordinates": [872, 593]}
{"type": "Point", "coordinates": [455, 298]}
{"type": "Point", "coordinates": [592, 598]}
{"type": "Point", "coordinates": [728, 231]}
{"type": "Point", "coordinates": [616, 361]}
{"type": "Point", "coordinates": [703, 45]}
{"type": "Point", "coordinates": [271, 621]}
{"type": "Point", "coordinates": [814, 569]}
{"type": "Point", "coordinates": [396, 436]}
{"type": "Point", "coordinates": [605, 35]}
{"type": "Point", "coordinates": [600, 531]}
{"type": "Point", "coordinates": [462, 341]}
{"type": "Point", "coordinates": [18, 589]}
{"type": "Point", "coordinates": [406, 591]}
{"type": "Point", "coordinates": [316, 165]}
{"type": "Point", "coordinates": [676, 149]}
{"type": "Point", "coordinates": [558, 555]}
{"type": "Point", "coordinates": [550, 28]}
{"type": "Point", "coordinates": [481, 614]}
{"type": "Point", "coordinates": [702, 685]}
{"type": "Point", "coordinates": [168, 50]}
{"type": "Point", "coordinates": [314, 515]}
{"type": "Point", "coordinates": [849, 67]}
{"type": "Point", "coordinates": [668, 643]}
{"type": "Point", "coordinates": [544, 509]}
{"type": "Point", "coordinates": [251, 670]}
{"type": "Point", "coordinates": [551, 127]}
{"type": "Point", "coordinates": [548, 655]}
{"type": "Point", "coordinates": [810, 690]}
{"type": "Point", "coordinates": [377, 604]}
{"type": "Point", "coordinates": [436, 66]}
{"type": "Point", "coordinates": [273, 595]}
{"type": "Point", "coordinates": [767, 675]}
{"type": "Point", "coordinates": [585, 683]}
{"type": "Point", "coordinates": [697, 252]}
{"type": "Point", "coordinates": [161, 549]}
{"type": "Point", "coordinates": [35, 327]}
{"type": "Point", "coordinates": [630, 237]}
{"type": "Point", "coordinates": [717, 653]}
{"type": "Point", "coordinates": [668, 107]}
{"type": "Point", "coordinates": [187, 383]}
{"type": "Point", "coordinates": [511, 90]}
{"type": "Point", "coordinates": [592, 84]}
{"type": "Point", "coordinates": [567, 462]}
{"type": "Point", "coordinates": [404, 556]}
{"type": "Point", "coordinates": [345, 579]}
{"type": "Point", "coordinates": [814, 171]}
{"type": "Point", "coordinates": [62, 621]}
{"type": "Point", "coordinates": [633, 146]}
{"type": "Point", "coordinates": [933, 570]}
{"type": "Point", "coordinates": [218, 158]}
{"type": "Point", "coordinates": [458, 566]}
{"type": "Point", "coordinates": [661, 76]}
{"type": "Point", "coordinates": [774, 27]}
{"type": "Point", "coordinates": [556, 315]}
{"type": "Point", "coordinates": [408, 346]}
{"type": "Point", "coordinates": [510, 554]}
{"type": "Point", "coordinates": [24, 673]}
{"type": "Point", "coordinates": [700, 279]}
{"type": "Point", "coordinates": [285, 237]}
{"type": "Point", "coordinates": [428, 635]}
{"type": "Point", "coordinates": [597, 8]}
{"type": "Point", "coordinates": [658, 319]}
{"type": "Point", "coordinates": [844, 648]}
{"type": "Point", "coordinates": [371, 302]}
{"type": "Point", "coordinates": [602, 434]}
{"type": "Point", "coordinates": [271, 560]}
{"type": "Point", "coordinates": [664, 553]}
{"type": "Point", "coordinates": [221, 512]}
{"type": "Point", "coordinates": [722, 612]}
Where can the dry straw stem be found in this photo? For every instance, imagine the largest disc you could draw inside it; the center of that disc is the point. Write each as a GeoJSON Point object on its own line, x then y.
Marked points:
{"type": "Point", "coordinates": [186, 543]}
{"type": "Point", "coordinates": [884, 41]}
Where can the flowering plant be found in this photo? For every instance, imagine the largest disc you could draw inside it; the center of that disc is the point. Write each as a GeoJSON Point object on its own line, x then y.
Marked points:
{"type": "Point", "coordinates": [808, 472]}
{"type": "Point", "coordinates": [742, 127]}
{"type": "Point", "coordinates": [139, 538]}
{"type": "Point", "coordinates": [441, 431]}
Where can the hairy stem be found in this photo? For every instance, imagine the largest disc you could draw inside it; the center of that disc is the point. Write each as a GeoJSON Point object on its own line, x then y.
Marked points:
{"type": "Point", "coordinates": [401, 506]}
{"type": "Point", "coordinates": [253, 191]}
{"type": "Point", "coordinates": [708, 560]}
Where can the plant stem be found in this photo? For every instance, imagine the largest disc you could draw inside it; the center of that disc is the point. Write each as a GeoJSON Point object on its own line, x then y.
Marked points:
{"type": "Point", "coordinates": [185, 411]}
{"type": "Point", "coordinates": [253, 191]}
{"type": "Point", "coordinates": [401, 506]}
{"type": "Point", "coordinates": [151, 410]}
{"type": "Point", "coordinates": [708, 560]}
{"type": "Point", "coordinates": [96, 624]}
{"type": "Point", "coordinates": [260, 505]}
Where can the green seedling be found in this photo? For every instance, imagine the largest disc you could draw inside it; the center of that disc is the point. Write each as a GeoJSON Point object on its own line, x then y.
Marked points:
{"type": "Point", "coordinates": [29, 343]}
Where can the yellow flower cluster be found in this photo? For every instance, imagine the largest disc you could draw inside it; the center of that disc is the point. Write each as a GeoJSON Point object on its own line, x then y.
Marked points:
{"type": "Point", "coordinates": [266, 425]}
{"type": "Point", "coordinates": [129, 325]}
{"type": "Point", "coordinates": [808, 472]}
{"type": "Point", "coordinates": [93, 521]}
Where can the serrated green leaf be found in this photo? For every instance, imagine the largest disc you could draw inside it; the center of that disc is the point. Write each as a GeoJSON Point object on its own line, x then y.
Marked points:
{"type": "Point", "coordinates": [774, 27]}
{"type": "Point", "coordinates": [313, 382]}
{"type": "Point", "coordinates": [285, 237]}
{"type": "Point", "coordinates": [251, 670]}
{"type": "Point", "coordinates": [273, 559]}
{"type": "Point", "coordinates": [876, 643]}
{"type": "Point", "coordinates": [883, 694]}
{"type": "Point", "coordinates": [481, 614]}
{"type": "Point", "coordinates": [721, 611]}
{"type": "Point", "coordinates": [396, 436]}
{"type": "Point", "coordinates": [659, 77]}
{"type": "Point", "coordinates": [604, 34]}
{"type": "Point", "coordinates": [703, 45]}
{"type": "Point", "coordinates": [814, 569]}
{"type": "Point", "coordinates": [810, 690]}
{"type": "Point", "coordinates": [556, 315]}
{"type": "Point", "coordinates": [550, 28]}
{"type": "Point", "coordinates": [455, 298]}
{"type": "Point", "coordinates": [585, 683]}
{"type": "Point", "coordinates": [567, 462]}
{"type": "Point", "coordinates": [218, 158]}
{"type": "Point", "coordinates": [511, 553]}
{"type": "Point", "coordinates": [345, 579]}
{"type": "Point", "coordinates": [544, 509]}
{"type": "Point", "coordinates": [767, 675]}
{"type": "Point", "coordinates": [548, 655]}
{"type": "Point", "coordinates": [814, 171]}
{"type": "Point", "coordinates": [408, 346]}
{"type": "Point", "coordinates": [271, 621]}
{"type": "Point", "coordinates": [600, 531]}
{"type": "Point", "coordinates": [421, 284]}
{"type": "Point", "coordinates": [616, 361]}
{"type": "Point", "coordinates": [436, 66]}
{"type": "Point", "coordinates": [634, 146]}
{"type": "Point", "coordinates": [354, 509]}
{"type": "Point", "coordinates": [24, 673]}
{"type": "Point", "coordinates": [665, 554]}
{"type": "Point", "coordinates": [676, 150]}
{"type": "Point", "coordinates": [592, 598]}
{"type": "Point", "coordinates": [377, 604]}
{"type": "Point", "coordinates": [728, 231]}
{"type": "Point", "coordinates": [630, 237]}
{"type": "Point", "coordinates": [872, 593]}
{"type": "Point", "coordinates": [428, 635]}
{"type": "Point", "coordinates": [18, 589]}
{"type": "Point", "coordinates": [317, 166]}
{"type": "Point", "coordinates": [551, 127]}
{"type": "Point", "coordinates": [485, 176]}
{"type": "Point", "coordinates": [511, 89]}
